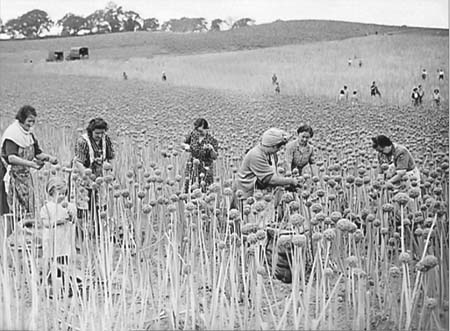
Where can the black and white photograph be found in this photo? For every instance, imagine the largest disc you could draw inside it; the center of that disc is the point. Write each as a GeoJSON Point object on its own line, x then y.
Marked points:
{"type": "Point", "coordinates": [224, 165]}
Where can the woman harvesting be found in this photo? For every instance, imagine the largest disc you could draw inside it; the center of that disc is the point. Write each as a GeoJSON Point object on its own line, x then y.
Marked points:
{"type": "Point", "coordinates": [204, 150]}
{"type": "Point", "coordinates": [92, 150]}
{"type": "Point", "coordinates": [20, 152]}
{"type": "Point", "coordinates": [299, 152]}
{"type": "Point", "coordinates": [398, 158]}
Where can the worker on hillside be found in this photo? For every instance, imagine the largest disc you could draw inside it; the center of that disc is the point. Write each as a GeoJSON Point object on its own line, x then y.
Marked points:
{"type": "Point", "coordinates": [424, 74]}
{"type": "Point", "coordinates": [274, 79]}
{"type": "Point", "coordinates": [374, 91]}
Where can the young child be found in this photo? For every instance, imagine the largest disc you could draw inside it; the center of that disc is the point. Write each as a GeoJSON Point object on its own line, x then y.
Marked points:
{"type": "Point", "coordinates": [415, 97]}
{"type": "Point", "coordinates": [277, 88]}
{"type": "Point", "coordinates": [441, 74]}
{"type": "Point", "coordinates": [58, 217]}
{"type": "Point", "coordinates": [436, 98]}
{"type": "Point", "coordinates": [424, 74]}
{"type": "Point", "coordinates": [354, 98]}
{"type": "Point", "coordinates": [341, 97]}
{"type": "Point", "coordinates": [274, 79]}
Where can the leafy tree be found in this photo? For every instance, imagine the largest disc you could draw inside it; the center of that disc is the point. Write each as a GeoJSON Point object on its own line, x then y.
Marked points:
{"type": "Point", "coordinates": [133, 21]}
{"type": "Point", "coordinates": [93, 20]}
{"type": "Point", "coordinates": [215, 24]}
{"type": "Point", "coordinates": [243, 22]}
{"type": "Point", "coordinates": [72, 23]}
{"type": "Point", "coordinates": [111, 16]}
{"type": "Point", "coordinates": [151, 24]}
{"type": "Point", "coordinates": [30, 24]}
{"type": "Point", "coordinates": [185, 24]}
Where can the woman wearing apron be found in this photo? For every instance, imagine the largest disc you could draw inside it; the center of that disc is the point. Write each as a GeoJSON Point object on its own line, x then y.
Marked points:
{"type": "Point", "coordinates": [19, 152]}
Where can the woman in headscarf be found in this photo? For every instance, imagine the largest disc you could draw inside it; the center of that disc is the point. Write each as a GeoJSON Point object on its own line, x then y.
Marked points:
{"type": "Point", "coordinates": [204, 150]}
{"type": "Point", "coordinates": [20, 152]}
{"type": "Point", "coordinates": [92, 150]}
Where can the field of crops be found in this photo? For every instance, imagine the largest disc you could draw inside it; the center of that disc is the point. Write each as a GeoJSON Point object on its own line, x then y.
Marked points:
{"type": "Point", "coordinates": [372, 259]}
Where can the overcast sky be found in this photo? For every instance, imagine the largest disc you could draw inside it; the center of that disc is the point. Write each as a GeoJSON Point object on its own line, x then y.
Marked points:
{"type": "Point", "coordinates": [427, 13]}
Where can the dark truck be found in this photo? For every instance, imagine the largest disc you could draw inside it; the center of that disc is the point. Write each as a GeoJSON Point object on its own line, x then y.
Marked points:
{"type": "Point", "coordinates": [78, 53]}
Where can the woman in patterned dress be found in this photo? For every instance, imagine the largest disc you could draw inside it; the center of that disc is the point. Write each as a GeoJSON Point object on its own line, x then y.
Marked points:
{"type": "Point", "coordinates": [20, 152]}
{"type": "Point", "coordinates": [91, 151]}
{"type": "Point", "coordinates": [204, 150]}
{"type": "Point", "coordinates": [299, 152]}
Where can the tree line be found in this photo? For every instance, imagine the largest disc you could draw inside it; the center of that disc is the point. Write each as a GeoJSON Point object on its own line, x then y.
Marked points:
{"type": "Point", "coordinates": [113, 18]}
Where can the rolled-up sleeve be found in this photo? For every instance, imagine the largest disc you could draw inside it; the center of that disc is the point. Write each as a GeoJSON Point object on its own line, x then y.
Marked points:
{"type": "Point", "coordinates": [401, 161]}
{"type": "Point", "coordinates": [10, 148]}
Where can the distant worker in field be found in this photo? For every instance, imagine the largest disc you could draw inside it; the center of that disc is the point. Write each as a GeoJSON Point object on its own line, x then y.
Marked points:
{"type": "Point", "coordinates": [421, 93]}
{"type": "Point", "coordinates": [277, 88]}
{"type": "Point", "coordinates": [360, 63]}
{"type": "Point", "coordinates": [163, 76]}
{"type": "Point", "coordinates": [441, 74]}
{"type": "Point", "coordinates": [346, 92]}
{"type": "Point", "coordinates": [204, 149]}
{"type": "Point", "coordinates": [354, 98]}
{"type": "Point", "coordinates": [424, 74]}
{"type": "Point", "coordinates": [436, 98]}
{"type": "Point", "coordinates": [274, 79]}
{"type": "Point", "coordinates": [341, 96]}
{"type": "Point", "coordinates": [415, 97]}
{"type": "Point", "coordinates": [349, 61]}
{"type": "Point", "coordinates": [124, 75]}
{"type": "Point", "coordinates": [374, 91]}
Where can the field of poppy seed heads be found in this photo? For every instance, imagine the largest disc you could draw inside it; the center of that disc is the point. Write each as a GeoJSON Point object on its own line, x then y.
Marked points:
{"type": "Point", "coordinates": [377, 259]}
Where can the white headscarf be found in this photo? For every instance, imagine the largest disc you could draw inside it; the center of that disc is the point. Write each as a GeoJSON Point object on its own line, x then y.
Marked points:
{"type": "Point", "coordinates": [273, 137]}
{"type": "Point", "coordinates": [18, 135]}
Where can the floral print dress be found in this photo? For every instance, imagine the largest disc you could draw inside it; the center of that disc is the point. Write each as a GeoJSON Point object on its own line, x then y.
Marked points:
{"type": "Point", "coordinates": [201, 160]}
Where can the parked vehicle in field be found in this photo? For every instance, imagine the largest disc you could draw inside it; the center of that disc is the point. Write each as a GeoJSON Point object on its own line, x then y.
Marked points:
{"type": "Point", "coordinates": [78, 53]}
{"type": "Point", "coordinates": [54, 56]}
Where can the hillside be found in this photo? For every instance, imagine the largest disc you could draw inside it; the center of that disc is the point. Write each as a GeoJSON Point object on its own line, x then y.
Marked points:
{"type": "Point", "coordinates": [148, 44]}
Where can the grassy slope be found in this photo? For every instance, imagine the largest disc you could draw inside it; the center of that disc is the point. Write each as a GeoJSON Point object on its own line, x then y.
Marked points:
{"type": "Point", "coordinates": [147, 44]}
{"type": "Point", "coordinates": [315, 64]}
{"type": "Point", "coordinates": [317, 69]}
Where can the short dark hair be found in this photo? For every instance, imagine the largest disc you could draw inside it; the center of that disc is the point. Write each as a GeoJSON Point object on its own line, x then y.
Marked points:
{"type": "Point", "coordinates": [24, 112]}
{"type": "Point", "coordinates": [96, 123]}
{"type": "Point", "coordinates": [305, 128]}
{"type": "Point", "coordinates": [201, 123]}
{"type": "Point", "coordinates": [381, 141]}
